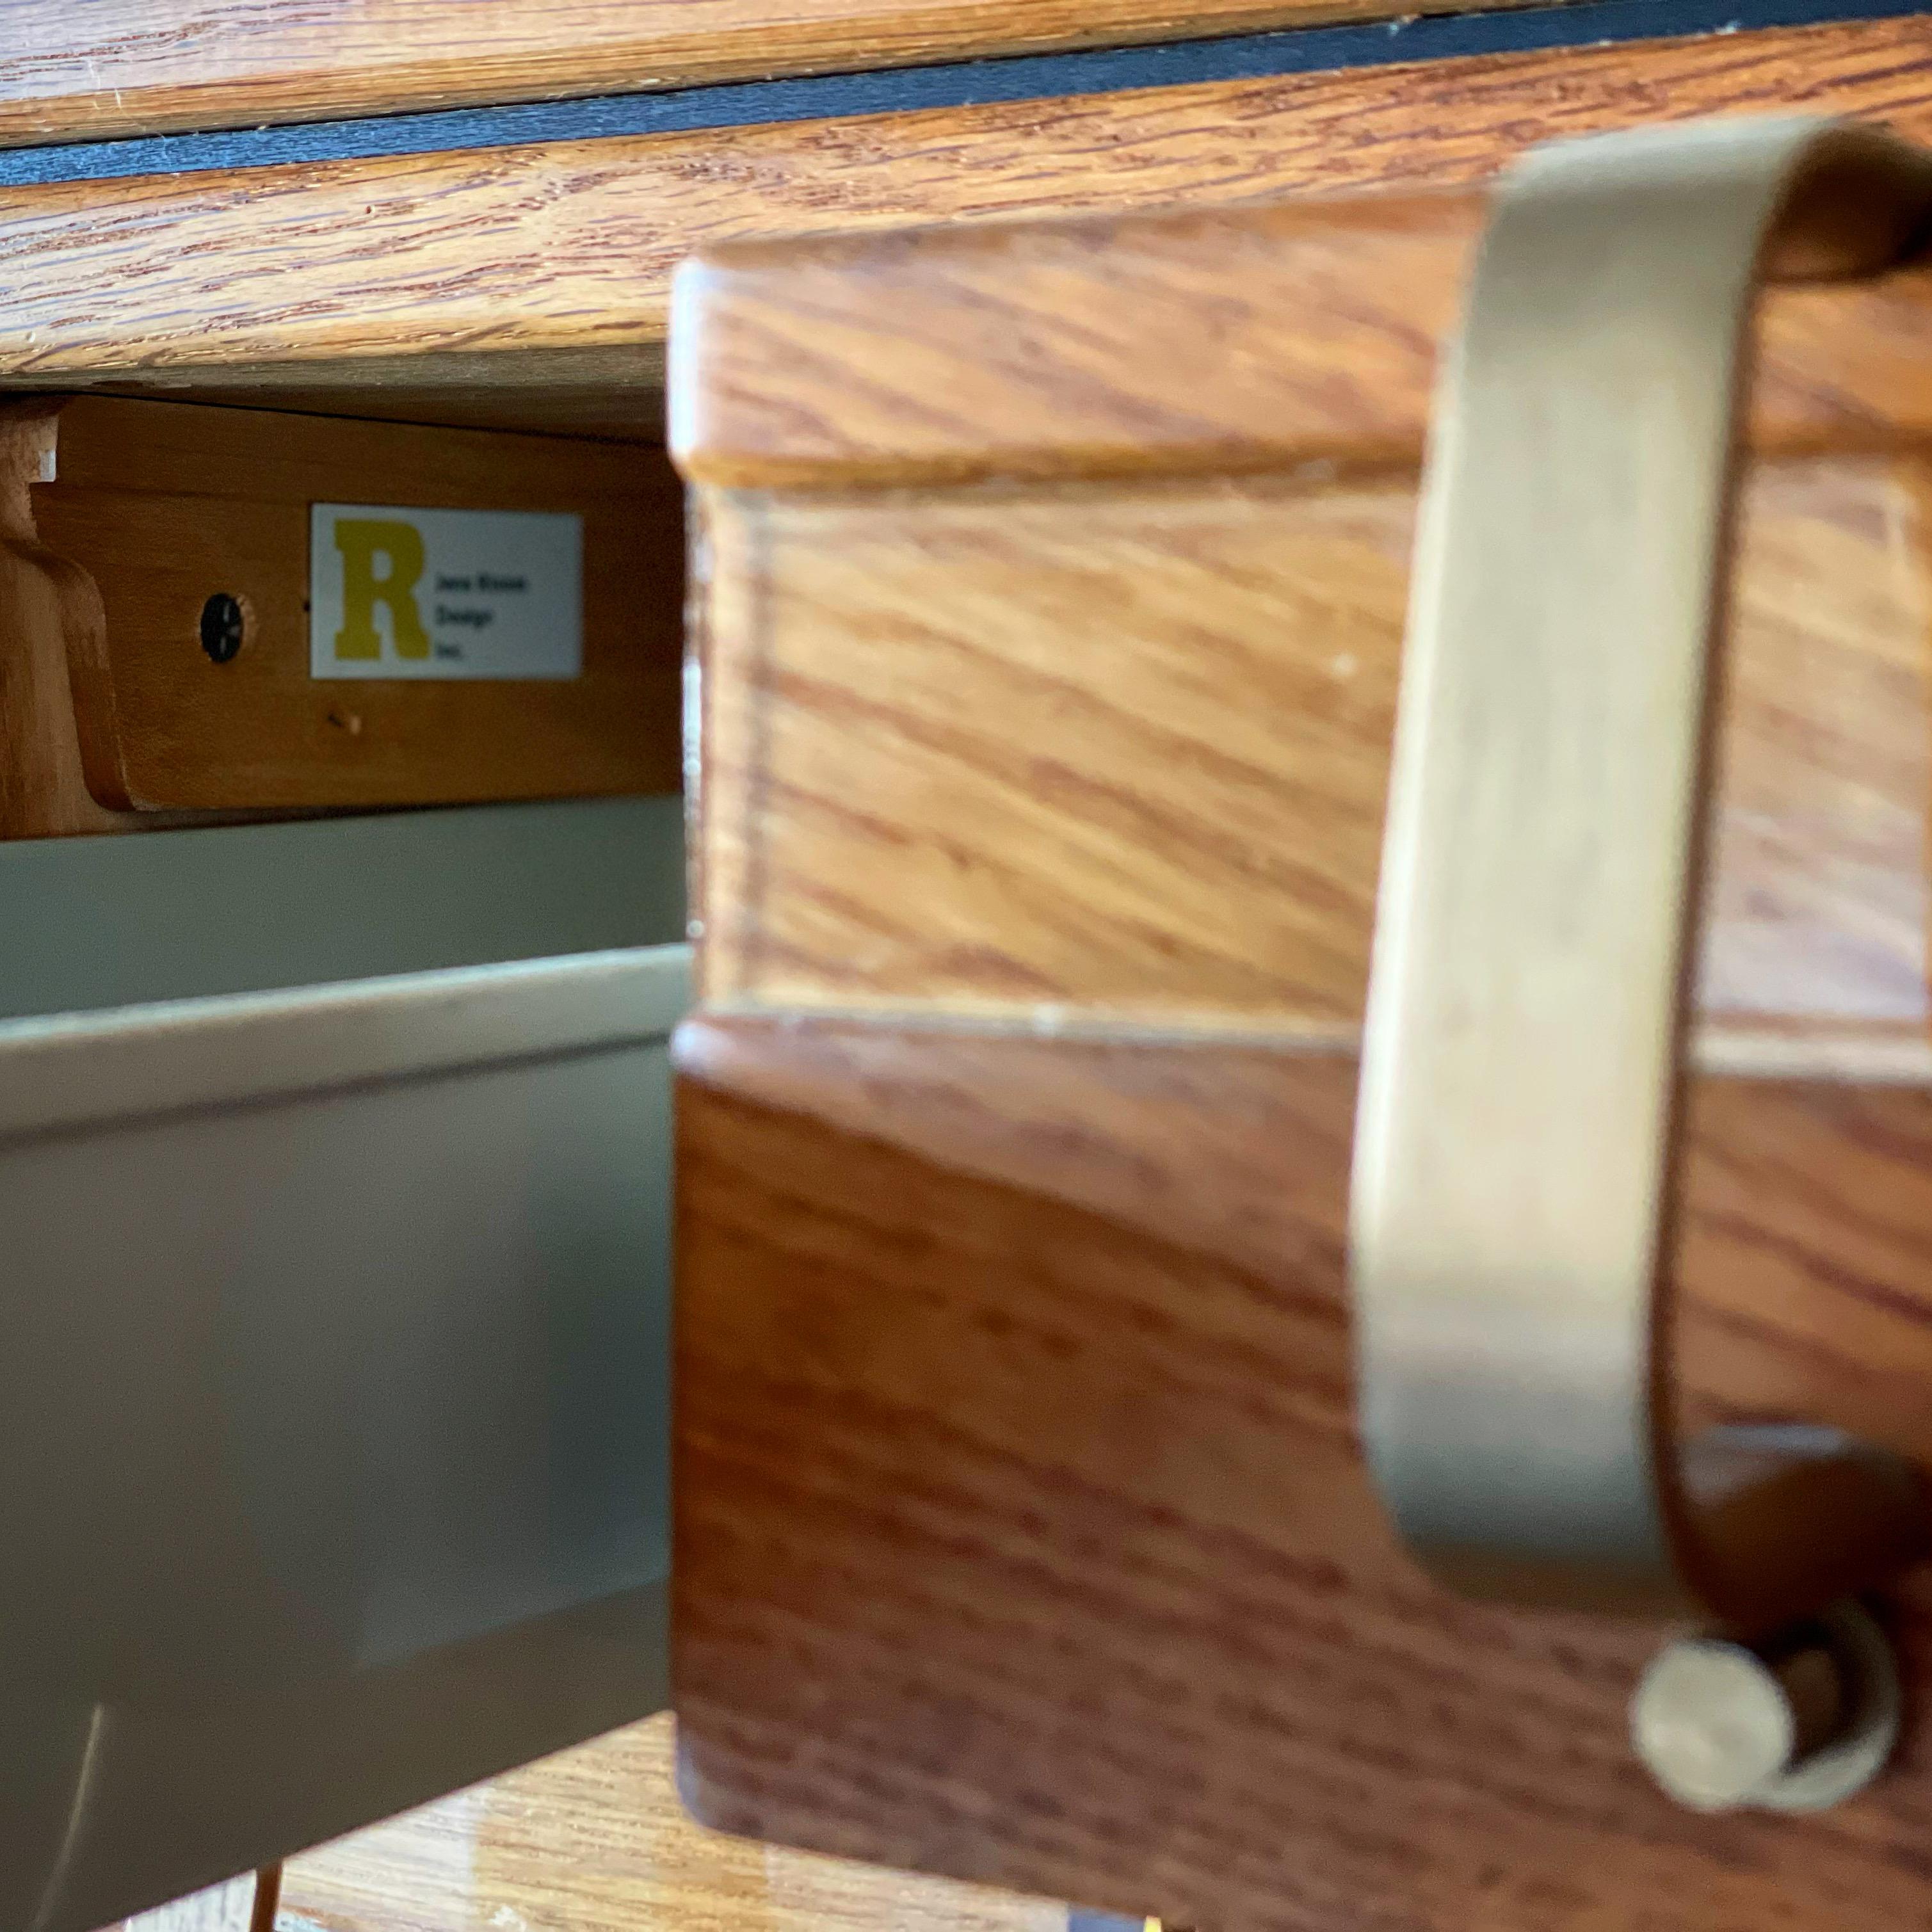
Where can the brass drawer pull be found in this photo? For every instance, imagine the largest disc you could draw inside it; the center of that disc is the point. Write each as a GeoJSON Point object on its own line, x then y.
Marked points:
{"type": "Point", "coordinates": [1511, 1205]}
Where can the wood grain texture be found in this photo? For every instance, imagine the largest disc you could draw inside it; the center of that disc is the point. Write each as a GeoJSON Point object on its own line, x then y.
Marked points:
{"type": "Point", "coordinates": [525, 267]}
{"type": "Point", "coordinates": [1023, 1535]}
{"type": "Point", "coordinates": [134, 67]}
{"type": "Point", "coordinates": [594, 1840]}
{"type": "Point", "coordinates": [164, 504]}
{"type": "Point", "coordinates": [52, 608]}
{"type": "Point", "coordinates": [1216, 341]}
{"type": "Point", "coordinates": [1118, 751]}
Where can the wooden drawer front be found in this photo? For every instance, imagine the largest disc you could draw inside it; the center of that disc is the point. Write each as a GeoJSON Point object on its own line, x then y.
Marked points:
{"type": "Point", "coordinates": [1049, 648]}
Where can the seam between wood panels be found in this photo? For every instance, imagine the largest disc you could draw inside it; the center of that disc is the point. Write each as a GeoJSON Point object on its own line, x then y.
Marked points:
{"type": "Point", "coordinates": [1721, 1047]}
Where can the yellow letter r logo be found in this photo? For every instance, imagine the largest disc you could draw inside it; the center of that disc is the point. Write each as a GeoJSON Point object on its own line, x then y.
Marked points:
{"type": "Point", "coordinates": [361, 540]}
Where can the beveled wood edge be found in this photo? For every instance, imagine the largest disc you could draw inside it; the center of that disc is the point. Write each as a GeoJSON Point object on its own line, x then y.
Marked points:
{"type": "Point", "coordinates": [958, 294]}
{"type": "Point", "coordinates": [1829, 367]}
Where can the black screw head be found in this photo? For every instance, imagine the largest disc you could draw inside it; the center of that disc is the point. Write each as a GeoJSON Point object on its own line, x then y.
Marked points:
{"type": "Point", "coordinates": [223, 625]}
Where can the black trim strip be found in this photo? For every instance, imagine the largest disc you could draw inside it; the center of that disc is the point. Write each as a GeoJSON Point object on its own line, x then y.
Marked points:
{"type": "Point", "coordinates": [955, 84]}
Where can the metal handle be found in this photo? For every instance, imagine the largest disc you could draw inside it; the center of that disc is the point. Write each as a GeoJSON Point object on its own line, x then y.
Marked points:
{"type": "Point", "coordinates": [1511, 1203]}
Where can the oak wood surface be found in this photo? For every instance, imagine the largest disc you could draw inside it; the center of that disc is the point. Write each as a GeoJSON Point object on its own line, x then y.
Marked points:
{"type": "Point", "coordinates": [134, 67]}
{"type": "Point", "coordinates": [1022, 1534]}
{"type": "Point", "coordinates": [547, 266]}
{"type": "Point", "coordinates": [160, 505]}
{"type": "Point", "coordinates": [1023, 1537]}
{"type": "Point", "coordinates": [594, 1840]}
{"type": "Point", "coordinates": [1117, 751]}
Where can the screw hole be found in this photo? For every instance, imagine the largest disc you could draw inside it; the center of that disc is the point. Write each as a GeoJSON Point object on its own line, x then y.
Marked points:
{"type": "Point", "coordinates": [224, 624]}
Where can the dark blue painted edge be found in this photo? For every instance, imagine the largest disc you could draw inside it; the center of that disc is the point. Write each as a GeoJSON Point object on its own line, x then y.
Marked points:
{"type": "Point", "coordinates": [954, 84]}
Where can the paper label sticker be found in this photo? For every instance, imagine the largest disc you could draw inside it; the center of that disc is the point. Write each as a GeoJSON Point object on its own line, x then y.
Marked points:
{"type": "Point", "coordinates": [444, 593]}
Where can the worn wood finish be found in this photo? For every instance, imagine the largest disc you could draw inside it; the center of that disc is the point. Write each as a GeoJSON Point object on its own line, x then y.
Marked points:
{"type": "Point", "coordinates": [1023, 1534]}
{"type": "Point", "coordinates": [134, 67]}
{"type": "Point", "coordinates": [159, 505]}
{"type": "Point", "coordinates": [595, 1839]}
{"type": "Point", "coordinates": [531, 267]}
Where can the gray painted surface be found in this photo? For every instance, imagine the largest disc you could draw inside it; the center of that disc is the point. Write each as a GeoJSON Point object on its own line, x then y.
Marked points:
{"type": "Point", "coordinates": [92, 923]}
{"type": "Point", "coordinates": [335, 1327]}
